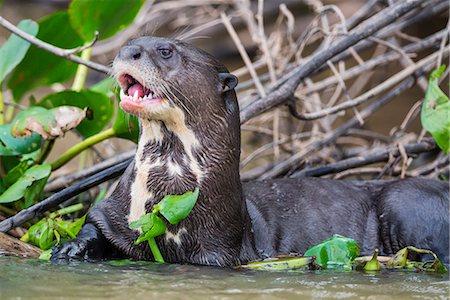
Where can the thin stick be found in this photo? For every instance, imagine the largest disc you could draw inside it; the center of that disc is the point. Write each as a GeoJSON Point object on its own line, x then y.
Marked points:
{"type": "Point", "coordinates": [362, 31]}
{"type": "Point", "coordinates": [243, 53]}
{"type": "Point", "coordinates": [284, 166]}
{"type": "Point", "coordinates": [58, 198]}
{"type": "Point", "coordinates": [374, 157]}
{"type": "Point", "coordinates": [66, 180]}
{"type": "Point", "coordinates": [64, 53]}
{"type": "Point", "coordinates": [375, 91]}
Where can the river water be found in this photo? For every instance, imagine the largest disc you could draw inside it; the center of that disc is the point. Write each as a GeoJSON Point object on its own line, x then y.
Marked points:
{"type": "Point", "coordinates": [33, 279]}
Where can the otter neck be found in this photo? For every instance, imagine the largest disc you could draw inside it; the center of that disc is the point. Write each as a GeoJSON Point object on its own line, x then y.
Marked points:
{"type": "Point", "coordinates": [175, 158]}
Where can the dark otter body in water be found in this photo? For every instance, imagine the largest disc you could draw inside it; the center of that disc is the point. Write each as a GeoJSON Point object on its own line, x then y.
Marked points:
{"type": "Point", "coordinates": [190, 136]}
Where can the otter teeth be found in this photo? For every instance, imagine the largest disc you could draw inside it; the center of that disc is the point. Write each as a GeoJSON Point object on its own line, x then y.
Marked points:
{"type": "Point", "coordinates": [136, 98]}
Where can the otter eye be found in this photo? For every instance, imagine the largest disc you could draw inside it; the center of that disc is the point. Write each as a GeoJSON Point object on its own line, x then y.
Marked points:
{"type": "Point", "coordinates": [165, 53]}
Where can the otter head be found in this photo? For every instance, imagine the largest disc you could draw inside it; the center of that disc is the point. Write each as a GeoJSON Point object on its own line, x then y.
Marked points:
{"type": "Point", "coordinates": [190, 137]}
{"type": "Point", "coordinates": [165, 79]}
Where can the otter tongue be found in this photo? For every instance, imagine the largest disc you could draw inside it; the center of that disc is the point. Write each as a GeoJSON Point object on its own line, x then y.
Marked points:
{"type": "Point", "coordinates": [136, 87]}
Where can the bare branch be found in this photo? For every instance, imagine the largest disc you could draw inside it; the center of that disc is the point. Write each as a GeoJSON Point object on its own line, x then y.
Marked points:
{"type": "Point", "coordinates": [64, 53]}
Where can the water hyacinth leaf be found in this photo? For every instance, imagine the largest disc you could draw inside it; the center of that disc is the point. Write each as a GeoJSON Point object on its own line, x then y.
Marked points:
{"type": "Point", "coordinates": [100, 106]}
{"type": "Point", "coordinates": [280, 264]}
{"type": "Point", "coordinates": [15, 173]}
{"type": "Point", "coordinates": [39, 67]}
{"type": "Point", "coordinates": [337, 251]}
{"type": "Point", "coordinates": [105, 16]}
{"type": "Point", "coordinates": [11, 145]}
{"type": "Point", "coordinates": [399, 260]}
{"type": "Point", "coordinates": [33, 194]}
{"type": "Point", "coordinates": [69, 230]}
{"type": "Point", "coordinates": [18, 189]}
{"type": "Point", "coordinates": [373, 264]}
{"type": "Point", "coordinates": [436, 110]}
{"type": "Point", "coordinates": [46, 255]}
{"type": "Point", "coordinates": [106, 86]}
{"type": "Point", "coordinates": [144, 220]}
{"type": "Point", "coordinates": [177, 207]}
{"type": "Point", "coordinates": [49, 124]}
{"type": "Point", "coordinates": [153, 228]}
{"type": "Point", "coordinates": [14, 49]}
{"type": "Point", "coordinates": [49, 232]}
{"type": "Point", "coordinates": [41, 234]}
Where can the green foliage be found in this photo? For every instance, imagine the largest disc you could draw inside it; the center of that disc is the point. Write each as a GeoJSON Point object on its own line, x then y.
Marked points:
{"type": "Point", "coordinates": [152, 226]}
{"type": "Point", "coordinates": [400, 261]}
{"type": "Point", "coordinates": [342, 252]}
{"type": "Point", "coordinates": [105, 16]}
{"type": "Point", "coordinates": [435, 114]}
{"type": "Point", "coordinates": [100, 107]}
{"type": "Point", "coordinates": [373, 264]}
{"type": "Point", "coordinates": [280, 264]}
{"type": "Point", "coordinates": [51, 231]}
{"type": "Point", "coordinates": [26, 68]}
{"type": "Point", "coordinates": [11, 145]}
{"type": "Point", "coordinates": [126, 126]}
{"type": "Point", "coordinates": [19, 189]}
{"type": "Point", "coordinates": [13, 51]}
{"type": "Point", "coordinates": [337, 251]}
{"type": "Point", "coordinates": [48, 123]}
{"type": "Point", "coordinates": [40, 68]}
{"type": "Point", "coordinates": [174, 208]}
{"type": "Point", "coordinates": [177, 207]}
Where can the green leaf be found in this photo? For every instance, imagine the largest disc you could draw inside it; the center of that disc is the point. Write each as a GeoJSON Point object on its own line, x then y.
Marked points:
{"type": "Point", "coordinates": [33, 194]}
{"type": "Point", "coordinates": [49, 232]}
{"type": "Point", "coordinates": [69, 230]}
{"type": "Point", "coordinates": [46, 255]}
{"type": "Point", "coordinates": [11, 145]}
{"type": "Point", "coordinates": [337, 251]}
{"type": "Point", "coordinates": [15, 173]}
{"type": "Point", "coordinates": [14, 49]}
{"type": "Point", "coordinates": [50, 124]}
{"type": "Point", "coordinates": [105, 16]}
{"type": "Point", "coordinates": [126, 126]}
{"type": "Point", "coordinates": [41, 234]}
{"type": "Point", "coordinates": [152, 226]}
{"type": "Point", "coordinates": [40, 67]}
{"type": "Point", "coordinates": [280, 264]}
{"type": "Point", "coordinates": [435, 115]}
{"type": "Point", "coordinates": [144, 220]}
{"type": "Point", "coordinates": [373, 264]}
{"type": "Point", "coordinates": [106, 86]}
{"type": "Point", "coordinates": [99, 105]}
{"type": "Point", "coordinates": [399, 261]}
{"type": "Point", "coordinates": [177, 207]}
{"type": "Point", "coordinates": [18, 189]}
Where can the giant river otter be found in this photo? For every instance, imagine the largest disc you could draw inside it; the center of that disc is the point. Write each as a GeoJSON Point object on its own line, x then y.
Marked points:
{"type": "Point", "coordinates": [190, 137]}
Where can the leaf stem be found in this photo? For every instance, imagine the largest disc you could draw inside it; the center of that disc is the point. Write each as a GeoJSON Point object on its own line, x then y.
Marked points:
{"type": "Point", "coordinates": [2, 107]}
{"type": "Point", "coordinates": [78, 148]}
{"type": "Point", "coordinates": [66, 210]}
{"type": "Point", "coordinates": [80, 76]}
{"type": "Point", "coordinates": [155, 250]}
{"type": "Point", "coordinates": [45, 151]}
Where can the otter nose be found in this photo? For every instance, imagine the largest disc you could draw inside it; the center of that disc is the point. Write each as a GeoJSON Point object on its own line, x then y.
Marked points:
{"type": "Point", "coordinates": [130, 52]}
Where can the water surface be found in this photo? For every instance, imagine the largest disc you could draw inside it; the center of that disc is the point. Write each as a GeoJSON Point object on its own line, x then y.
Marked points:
{"type": "Point", "coordinates": [32, 279]}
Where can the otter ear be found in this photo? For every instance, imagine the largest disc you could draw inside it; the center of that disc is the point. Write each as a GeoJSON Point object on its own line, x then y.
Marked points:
{"type": "Point", "coordinates": [228, 81]}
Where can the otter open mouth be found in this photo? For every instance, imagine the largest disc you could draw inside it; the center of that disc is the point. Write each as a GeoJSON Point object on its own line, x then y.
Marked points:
{"type": "Point", "coordinates": [132, 89]}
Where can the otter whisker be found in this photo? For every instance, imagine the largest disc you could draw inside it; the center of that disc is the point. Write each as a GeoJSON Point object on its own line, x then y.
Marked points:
{"type": "Point", "coordinates": [174, 86]}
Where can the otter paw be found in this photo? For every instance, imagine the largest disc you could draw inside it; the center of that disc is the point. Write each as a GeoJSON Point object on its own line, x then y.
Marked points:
{"type": "Point", "coordinates": [71, 250]}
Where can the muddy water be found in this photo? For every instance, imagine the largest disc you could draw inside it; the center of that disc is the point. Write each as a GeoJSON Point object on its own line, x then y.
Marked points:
{"type": "Point", "coordinates": [31, 279]}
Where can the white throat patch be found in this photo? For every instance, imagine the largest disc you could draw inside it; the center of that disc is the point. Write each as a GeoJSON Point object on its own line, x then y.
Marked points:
{"type": "Point", "coordinates": [151, 132]}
